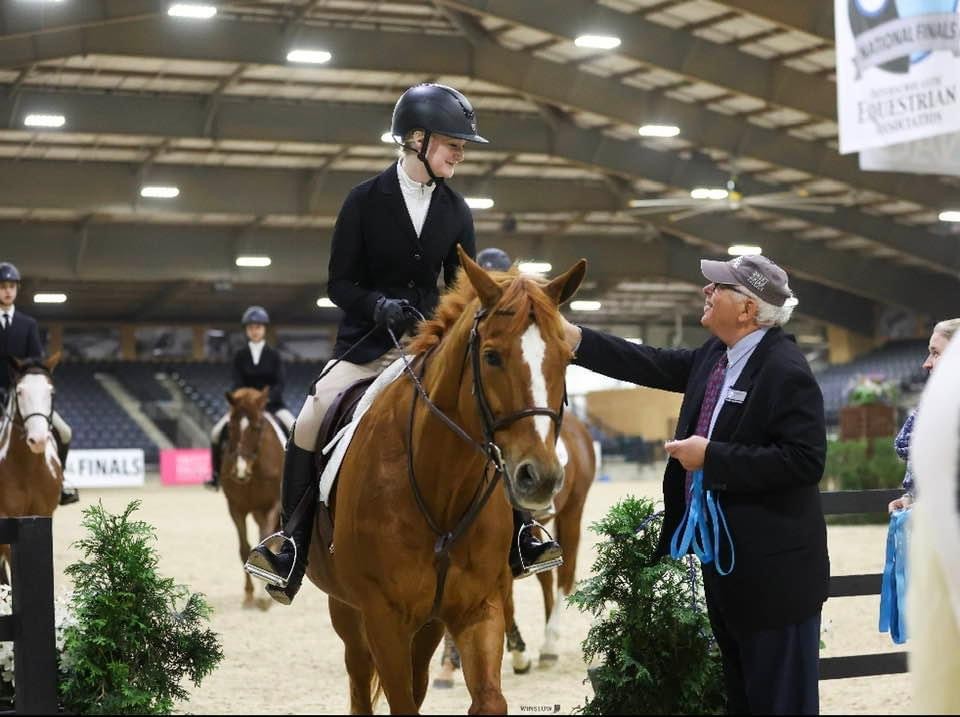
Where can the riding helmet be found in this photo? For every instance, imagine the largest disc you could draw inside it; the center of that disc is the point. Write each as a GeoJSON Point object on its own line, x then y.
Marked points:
{"type": "Point", "coordinates": [8, 272]}
{"type": "Point", "coordinates": [435, 108]}
{"type": "Point", "coordinates": [493, 258]}
{"type": "Point", "coordinates": [255, 315]}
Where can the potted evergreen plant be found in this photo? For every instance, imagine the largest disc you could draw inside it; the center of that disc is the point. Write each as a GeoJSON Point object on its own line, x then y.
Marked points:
{"type": "Point", "coordinates": [651, 639]}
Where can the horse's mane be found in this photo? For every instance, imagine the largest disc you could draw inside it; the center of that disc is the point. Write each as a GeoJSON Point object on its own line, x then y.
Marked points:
{"type": "Point", "coordinates": [522, 297]}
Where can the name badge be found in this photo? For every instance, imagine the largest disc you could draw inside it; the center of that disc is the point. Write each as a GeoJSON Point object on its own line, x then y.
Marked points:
{"type": "Point", "coordinates": [736, 396]}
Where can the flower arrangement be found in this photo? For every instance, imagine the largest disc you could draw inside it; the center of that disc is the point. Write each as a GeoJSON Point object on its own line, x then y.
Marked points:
{"type": "Point", "coordinates": [872, 388]}
{"type": "Point", "coordinates": [63, 619]}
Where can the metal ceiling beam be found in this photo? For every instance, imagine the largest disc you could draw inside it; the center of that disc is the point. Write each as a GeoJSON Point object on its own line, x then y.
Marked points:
{"type": "Point", "coordinates": [876, 279]}
{"type": "Point", "coordinates": [814, 17]}
{"type": "Point", "coordinates": [19, 20]}
{"type": "Point", "coordinates": [234, 41]}
{"type": "Point", "coordinates": [676, 50]}
{"type": "Point", "coordinates": [102, 188]}
{"type": "Point", "coordinates": [347, 125]}
{"type": "Point", "coordinates": [195, 254]}
{"type": "Point", "coordinates": [110, 187]}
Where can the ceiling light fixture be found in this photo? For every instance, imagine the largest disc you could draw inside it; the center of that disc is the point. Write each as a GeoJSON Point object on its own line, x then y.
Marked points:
{"type": "Point", "coordinates": [744, 250]}
{"type": "Point", "coordinates": [659, 130]}
{"type": "Point", "coordinates": [535, 267]}
{"type": "Point", "coordinates": [597, 42]}
{"type": "Point", "coordinates": [156, 191]}
{"type": "Point", "coordinates": [950, 215]}
{"type": "Point", "coordinates": [310, 57]}
{"type": "Point", "coordinates": [254, 261]}
{"type": "Point", "coordinates": [325, 303]}
{"type": "Point", "coordinates": [479, 202]}
{"type": "Point", "coordinates": [44, 120]}
{"type": "Point", "coordinates": [584, 305]}
{"type": "Point", "coordinates": [49, 298]}
{"type": "Point", "coordinates": [707, 193]}
{"type": "Point", "coordinates": [194, 11]}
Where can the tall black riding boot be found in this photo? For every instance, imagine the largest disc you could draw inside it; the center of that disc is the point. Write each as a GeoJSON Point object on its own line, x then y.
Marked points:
{"type": "Point", "coordinates": [283, 570]}
{"type": "Point", "coordinates": [67, 495]}
{"type": "Point", "coordinates": [529, 556]}
{"type": "Point", "coordinates": [216, 457]}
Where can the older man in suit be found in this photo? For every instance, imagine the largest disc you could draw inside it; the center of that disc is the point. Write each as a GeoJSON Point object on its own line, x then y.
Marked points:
{"type": "Point", "coordinates": [752, 419]}
{"type": "Point", "coordinates": [20, 339]}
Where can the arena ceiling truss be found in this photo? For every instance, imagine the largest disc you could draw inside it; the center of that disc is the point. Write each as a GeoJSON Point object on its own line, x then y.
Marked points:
{"type": "Point", "coordinates": [263, 150]}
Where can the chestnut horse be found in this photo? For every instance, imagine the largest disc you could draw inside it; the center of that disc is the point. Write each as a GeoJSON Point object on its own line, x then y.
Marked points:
{"type": "Point", "coordinates": [30, 470]}
{"type": "Point", "coordinates": [422, 529]}
{"type": "Point", "coordinates": [250, 472]}
{"type": "Point", "coordinates": [579, 473]}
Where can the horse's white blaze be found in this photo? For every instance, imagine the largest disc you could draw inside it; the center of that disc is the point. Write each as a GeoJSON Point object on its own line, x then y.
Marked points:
{"type": "Point", "coordinates": [552, 632]}
{"type": "Point", "coordinates": [534, 349]}
{"type": "Point", "coordinates": [35, 399]}
{"type": "Point", "coordinates": [241, 461]}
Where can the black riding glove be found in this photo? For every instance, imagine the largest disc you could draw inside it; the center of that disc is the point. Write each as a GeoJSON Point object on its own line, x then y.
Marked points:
{"type": "Point", "coordinates": [389, 314]}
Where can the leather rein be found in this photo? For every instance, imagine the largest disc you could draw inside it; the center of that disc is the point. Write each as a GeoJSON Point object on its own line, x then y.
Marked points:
{"type": "Point", "coordinates": [488, 447]}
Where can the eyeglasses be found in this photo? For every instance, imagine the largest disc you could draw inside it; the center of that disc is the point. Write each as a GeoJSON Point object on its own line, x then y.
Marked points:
{"type": "Point", "coordinates": [729, 287]}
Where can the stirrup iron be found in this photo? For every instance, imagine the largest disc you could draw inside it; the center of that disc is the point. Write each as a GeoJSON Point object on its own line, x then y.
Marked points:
{"type": "Point", "coordinates": [270, 577]}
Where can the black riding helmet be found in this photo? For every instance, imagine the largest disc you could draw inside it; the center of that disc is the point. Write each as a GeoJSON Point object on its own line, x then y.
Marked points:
{"type": "Point", "coordinates": [8, 272]}
{"type": "Point", "coordinates": [493, 258]}
{"type": "Point", "coordinates": [434, 109]}
{"type": "Point", "coordinates": [255, 315]}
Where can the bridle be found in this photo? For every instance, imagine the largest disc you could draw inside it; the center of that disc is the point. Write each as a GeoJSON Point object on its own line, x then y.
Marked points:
{"type": "Point", "coordinates": [232, 454]}
{"type": "Point", "coordinates": [13, 414]}
{"type": "Point", "coordinates": [494, 456]}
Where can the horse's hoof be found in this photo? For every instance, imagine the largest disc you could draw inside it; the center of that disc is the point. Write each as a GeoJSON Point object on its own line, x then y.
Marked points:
{"type": "Point", "coordinates": [249, 603]}
{"type": "Point", "coordinates": [443, 683]}
{"type": "Point", "coordinates": [264, 604]}
{"type": "Point", "coordinates": [548, 660]}
{"type": "Point", "coordinates": [522, 665]}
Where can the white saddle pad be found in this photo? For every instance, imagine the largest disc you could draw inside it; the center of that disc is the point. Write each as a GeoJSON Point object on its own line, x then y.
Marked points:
{"type": "Point", "coordinates": [341, 442]}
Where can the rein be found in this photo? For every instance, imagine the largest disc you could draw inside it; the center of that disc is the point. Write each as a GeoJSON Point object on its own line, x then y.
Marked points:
{"type": "Point", "coordinates": [489, 447]}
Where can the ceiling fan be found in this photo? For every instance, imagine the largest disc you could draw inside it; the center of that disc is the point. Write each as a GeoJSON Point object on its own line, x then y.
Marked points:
{"type": "Point", "coordinates": [731, 199]}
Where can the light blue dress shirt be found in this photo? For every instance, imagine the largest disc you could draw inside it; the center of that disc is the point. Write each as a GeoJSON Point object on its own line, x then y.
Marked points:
{"type": "Point", "coordinates": [737, 357]}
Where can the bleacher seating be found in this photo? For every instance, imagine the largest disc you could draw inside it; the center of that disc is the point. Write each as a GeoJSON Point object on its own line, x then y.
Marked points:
{"type": "Point", "coordinates": [206, 383]}
{"type": "Point", "coordinates": [96, 419]}
{"type": "Point", "coordinates": [898, 361]}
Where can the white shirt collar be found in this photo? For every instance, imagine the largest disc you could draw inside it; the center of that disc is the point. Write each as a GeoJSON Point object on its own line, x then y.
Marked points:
{"type": "Point", "coordinates": [256, 350]}
{"type": "Point", "coordinates": [408, 184]}
{"type": "Point", "coordinates": [8, 312]}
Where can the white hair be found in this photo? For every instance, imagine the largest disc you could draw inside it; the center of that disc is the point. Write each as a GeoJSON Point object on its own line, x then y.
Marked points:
{"type": "Point", "coordinates": [947, 327]}
{"type": "Point", "coordinates": [768, 314]}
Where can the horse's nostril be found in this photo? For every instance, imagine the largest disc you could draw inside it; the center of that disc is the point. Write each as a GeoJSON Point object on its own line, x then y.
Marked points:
{"type": "Point", "coordinates": [526, 477]}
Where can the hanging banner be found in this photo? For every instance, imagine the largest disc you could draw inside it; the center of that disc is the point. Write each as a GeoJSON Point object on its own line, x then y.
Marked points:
{"type": "Point", "coordinates": [898, 71]}
{"type": "Point", "coordinates": [934, 155]}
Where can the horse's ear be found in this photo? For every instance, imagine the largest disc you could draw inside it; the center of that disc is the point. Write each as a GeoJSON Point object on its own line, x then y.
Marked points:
{"type": "Point", "coordinates": [488, 290]}
{"type": "Point", "coordinates": [229, 396]}
{"type": "Point", "coordinates": [566, 285]}
{"type": "Point", "coordinates": [51, 363]}
{"type": "Point", "coordinates": [14, 366]}
{"type": "Point", "coordinates": [263, 397]}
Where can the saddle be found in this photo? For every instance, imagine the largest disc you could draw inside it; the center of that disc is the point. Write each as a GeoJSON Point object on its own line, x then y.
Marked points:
{"type": "Point", "coordinates": [337, 416]}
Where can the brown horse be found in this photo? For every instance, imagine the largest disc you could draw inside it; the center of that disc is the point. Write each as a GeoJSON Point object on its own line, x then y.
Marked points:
{"type": "Point", "coordinates": [492, 363]}
{"type": "Point", "coordinates": [250, 472]}
{"type": "Point", "coordinates": [30, 470]}
{"type": "Point", "coordinates": [579, 472]}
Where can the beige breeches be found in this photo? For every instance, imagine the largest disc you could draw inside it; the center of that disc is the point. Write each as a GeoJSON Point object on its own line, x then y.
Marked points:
{"type": "Point", "coordinates": [326, 390]}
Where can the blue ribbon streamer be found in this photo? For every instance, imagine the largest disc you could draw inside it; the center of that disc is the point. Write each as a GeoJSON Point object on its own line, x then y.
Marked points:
{"type": "Point", "coordinates": [694, 532]}
{"type": "Point", "coordinates": [893, 590]}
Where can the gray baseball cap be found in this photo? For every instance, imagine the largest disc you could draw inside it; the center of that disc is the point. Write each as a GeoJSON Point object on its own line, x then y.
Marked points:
{"type": "Point", "coordinates": [756, 273]}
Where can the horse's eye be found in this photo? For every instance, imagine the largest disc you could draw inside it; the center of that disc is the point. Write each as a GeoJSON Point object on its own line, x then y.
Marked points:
{"type": "Point", "coordinates": [493, 358]}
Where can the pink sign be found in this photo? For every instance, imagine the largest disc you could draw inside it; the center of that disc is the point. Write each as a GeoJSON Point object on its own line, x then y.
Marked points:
{"type": "Point", "coordinates": [184, 466]}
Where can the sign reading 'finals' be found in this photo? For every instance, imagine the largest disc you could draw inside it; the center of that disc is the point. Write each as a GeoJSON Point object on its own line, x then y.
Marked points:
{"type": "Point", "coordinates": [898, 71]}
{"type": "Point", "coordinates": [105, 468]}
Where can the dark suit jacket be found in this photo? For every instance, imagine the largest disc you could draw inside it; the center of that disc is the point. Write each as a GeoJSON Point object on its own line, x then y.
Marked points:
{"type": "Point", "coordinates": [764, 461]}
{"type": "Point", "coordinates": [376, 252]}
{"type": "Point", "coordinates": [269, 372]}
{"type": "Point", "coordinates": [21, 341]}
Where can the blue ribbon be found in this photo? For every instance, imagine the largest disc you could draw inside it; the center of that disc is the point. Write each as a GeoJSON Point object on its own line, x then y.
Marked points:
{"type": "Point", "coordinates": [894, 587]}
{"type": "Point", "coordinates": [694, 532]}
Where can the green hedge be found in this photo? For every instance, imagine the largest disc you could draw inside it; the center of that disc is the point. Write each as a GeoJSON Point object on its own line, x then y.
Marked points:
{"type": "Point", "coordinates": [850, 468]}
